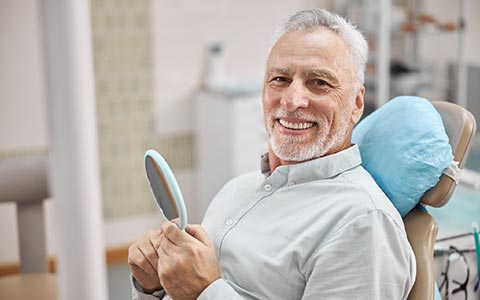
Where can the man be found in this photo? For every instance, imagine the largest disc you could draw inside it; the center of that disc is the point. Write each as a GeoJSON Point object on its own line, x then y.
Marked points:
{"type": "Point", "coordinates": [315, 225]}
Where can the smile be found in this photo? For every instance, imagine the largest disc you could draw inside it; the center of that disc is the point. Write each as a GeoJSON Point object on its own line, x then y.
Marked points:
{"type": "Point", "coordinates": [296, 125]}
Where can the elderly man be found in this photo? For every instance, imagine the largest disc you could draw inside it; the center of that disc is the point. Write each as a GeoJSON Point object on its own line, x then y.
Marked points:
{"type": "Point", "coordinates": [314, 225]}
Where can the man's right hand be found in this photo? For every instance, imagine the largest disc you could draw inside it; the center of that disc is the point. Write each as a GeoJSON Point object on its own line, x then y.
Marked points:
{"type": "Point", "coordinates": [143, 261]}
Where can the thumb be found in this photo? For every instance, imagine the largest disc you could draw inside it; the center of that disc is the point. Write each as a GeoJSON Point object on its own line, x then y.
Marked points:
{"type": "Point", "coordinates": [198, 233]}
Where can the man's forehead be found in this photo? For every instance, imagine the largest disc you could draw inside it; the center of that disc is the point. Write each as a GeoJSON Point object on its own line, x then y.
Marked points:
{"type": "Point", "coordinates": [300, 45]}
{"type": "Point", "coordinates": [319, 36]}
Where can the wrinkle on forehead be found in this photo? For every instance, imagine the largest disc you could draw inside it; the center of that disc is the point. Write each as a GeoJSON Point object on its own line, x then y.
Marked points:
{"type": "Point", "coordinates": [309, 73]}
{"type": "Point", "coordinates": [320, 43]}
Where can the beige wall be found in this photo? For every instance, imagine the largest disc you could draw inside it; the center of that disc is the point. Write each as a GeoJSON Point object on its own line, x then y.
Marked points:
{"type": "Point", "coordinates": [130, 118]}
{"type": "Point", "coordinates": [22, 100]}
{"type": "Point", "coordinates": [145, 78]}
{"type": "Point", "coordinates": [123, 61]}
{"type": "Point", "coordinates": [182, 31]}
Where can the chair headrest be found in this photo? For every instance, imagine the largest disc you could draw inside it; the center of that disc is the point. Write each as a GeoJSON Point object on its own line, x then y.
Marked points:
{"type": "Point", "coordinates": [406, 148]}
{"type": "Point", "coordinates": [460, 127]}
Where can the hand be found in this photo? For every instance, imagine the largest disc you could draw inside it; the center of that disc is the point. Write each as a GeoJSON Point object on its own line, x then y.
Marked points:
{"type": "Point", "coordinates": [143, 261]}
{"type": "Point", "coordinates": [187, 262]}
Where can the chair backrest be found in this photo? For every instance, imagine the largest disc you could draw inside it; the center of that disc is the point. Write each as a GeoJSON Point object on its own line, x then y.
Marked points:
{"type": "Point", "coordinates": [420, 226]}
{"type": "Point", "coordinates": [23, 180]}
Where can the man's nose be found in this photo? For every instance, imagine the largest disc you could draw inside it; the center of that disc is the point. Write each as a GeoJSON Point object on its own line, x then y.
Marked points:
{"type": "Point", "coordinates": [295, 96]}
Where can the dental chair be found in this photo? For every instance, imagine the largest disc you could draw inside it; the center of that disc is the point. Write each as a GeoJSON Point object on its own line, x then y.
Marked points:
{"type": "Point", "coordinates": [420, 226]}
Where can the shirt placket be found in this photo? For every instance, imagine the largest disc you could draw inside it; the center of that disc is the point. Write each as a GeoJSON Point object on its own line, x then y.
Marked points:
{"type": "Point", "coordinates": [265, 190]}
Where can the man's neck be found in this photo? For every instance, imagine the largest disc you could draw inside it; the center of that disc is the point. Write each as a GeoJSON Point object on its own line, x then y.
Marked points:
{"type": "Point", "coordinates": [275, 161]}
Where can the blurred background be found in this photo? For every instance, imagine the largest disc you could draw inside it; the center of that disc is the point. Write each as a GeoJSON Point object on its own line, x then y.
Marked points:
{"type": "Point", "coordinates": [185, 77]}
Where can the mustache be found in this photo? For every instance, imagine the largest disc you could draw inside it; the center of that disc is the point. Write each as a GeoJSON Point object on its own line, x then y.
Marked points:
{"type": "Point", "coordinates": [299, 114]}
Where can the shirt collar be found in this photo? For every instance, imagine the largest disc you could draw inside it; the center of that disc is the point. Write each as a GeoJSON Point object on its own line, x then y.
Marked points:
{"type": "Point", "coordinates": [320, 168]}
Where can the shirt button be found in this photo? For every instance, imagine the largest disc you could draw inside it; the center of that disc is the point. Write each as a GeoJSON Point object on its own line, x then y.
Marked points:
{"type": "Point", "coordinates": [268, 187]}
{"type": "Point", "coordinates": [229, 222]}
{"type": "Point", "coordinates": [291, 183]}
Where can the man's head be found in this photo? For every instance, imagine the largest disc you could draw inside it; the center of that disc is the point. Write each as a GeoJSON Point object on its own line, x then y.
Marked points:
{"type": "Point", "coordinates": [313, 87]}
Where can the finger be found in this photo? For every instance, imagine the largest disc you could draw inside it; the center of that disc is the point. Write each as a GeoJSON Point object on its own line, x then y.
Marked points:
{"type": "Point", "coordinates": [154, 236]}
{"type": "Point", "coordinates": [176, 221]}
{"type": "Point", "coordinates": [138, 259]}
{"type": "Point", "coordinates": [162, 259]}
{"type": "Point", "coordinates": [198, 233]}
{"type": "Point", "coordinates": [161, 250]}
{"type": "Point", "coordinates": [168, 247]}
{"type": "Point", "coordinates": [146, 247]}
{"type": "Point", "coordinates": [140, 275]}
{"type": "Point", "coordinates": [174, 234]}
{"type": "Point", "coordinates": [156, 241]}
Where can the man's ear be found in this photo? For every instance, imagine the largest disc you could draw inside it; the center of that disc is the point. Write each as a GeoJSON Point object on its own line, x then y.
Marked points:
{"type": "Point", "coordinates": [358, 105]}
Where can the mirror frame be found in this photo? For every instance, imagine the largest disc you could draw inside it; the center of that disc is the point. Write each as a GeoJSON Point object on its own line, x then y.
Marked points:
{"type": "Point", "coordinates": [169, 183]}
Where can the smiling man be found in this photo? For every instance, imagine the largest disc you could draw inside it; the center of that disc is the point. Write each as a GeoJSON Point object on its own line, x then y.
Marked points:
{"type": "Point", "coordinates": [313, 224]}
{"type": "Point", "coordinates": [311, 100]}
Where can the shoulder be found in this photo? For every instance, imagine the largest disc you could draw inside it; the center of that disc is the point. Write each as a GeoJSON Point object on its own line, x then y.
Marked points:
{"type": "Point", "coordinates": [372, 248]}
{"type": "Point", "coordinates": [370, 196]}
{"type": "Point", "coordinates": [354, 203]}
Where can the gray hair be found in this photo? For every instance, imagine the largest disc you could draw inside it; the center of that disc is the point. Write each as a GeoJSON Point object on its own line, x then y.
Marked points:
{"type": "Point", "coordinates": [310, 19]}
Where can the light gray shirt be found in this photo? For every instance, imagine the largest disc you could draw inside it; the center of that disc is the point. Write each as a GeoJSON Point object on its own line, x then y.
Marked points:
{"type": "Point", "coordinates": [321, 229]}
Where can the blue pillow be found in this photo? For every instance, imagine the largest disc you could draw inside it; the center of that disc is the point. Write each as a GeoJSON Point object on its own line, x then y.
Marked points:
{"type": "Point", "coordinates": [405, 148]}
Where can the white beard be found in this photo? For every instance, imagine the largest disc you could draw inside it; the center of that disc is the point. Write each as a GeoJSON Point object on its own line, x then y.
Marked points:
{"type": "Point", "coordinates": [291, 148]}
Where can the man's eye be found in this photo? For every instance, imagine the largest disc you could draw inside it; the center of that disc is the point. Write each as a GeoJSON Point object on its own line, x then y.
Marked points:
{"type": "Point", "coordinates": [279, 79]}
{"type": "Point", "coordinates": [319, 82]}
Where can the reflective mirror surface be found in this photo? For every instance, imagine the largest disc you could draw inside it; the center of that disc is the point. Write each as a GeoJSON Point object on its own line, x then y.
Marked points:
{"type": "Point", "coordinates": [164, 187]}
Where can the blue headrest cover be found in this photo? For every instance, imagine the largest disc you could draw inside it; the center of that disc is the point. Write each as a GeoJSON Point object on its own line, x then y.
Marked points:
{"type": "Point", "coordinates": [405, 148]}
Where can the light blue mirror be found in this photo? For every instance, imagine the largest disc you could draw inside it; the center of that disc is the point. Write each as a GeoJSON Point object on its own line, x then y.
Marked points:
{"type": "Point", "coordinates": [164, 187]}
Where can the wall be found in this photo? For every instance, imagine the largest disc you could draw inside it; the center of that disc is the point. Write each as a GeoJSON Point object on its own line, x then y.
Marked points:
{"type": "Point", "coordinates": [131, 118]}
{"type": "Point", "coordinates": [243, 28]}
{"type": "Point", "coordinates": [148, 58]}
{"type": "Point", "coordinates": [22, 100]}
{"type": "Point", "coordinates": [145, 77]}
{"type": "Point", "coordinates": [130, 110]}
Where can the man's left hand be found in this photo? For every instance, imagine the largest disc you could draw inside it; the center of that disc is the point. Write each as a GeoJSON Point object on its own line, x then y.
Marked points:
{"type": "Point", "coordinates": [187, 262]}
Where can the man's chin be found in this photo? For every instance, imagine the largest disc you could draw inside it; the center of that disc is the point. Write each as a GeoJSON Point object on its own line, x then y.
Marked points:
{"type": "Point", "coordinates": [296, 153]}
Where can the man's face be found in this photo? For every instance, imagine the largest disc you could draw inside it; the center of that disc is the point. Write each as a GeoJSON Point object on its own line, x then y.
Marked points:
{"type": "Point", "coordinates": [309, 101]}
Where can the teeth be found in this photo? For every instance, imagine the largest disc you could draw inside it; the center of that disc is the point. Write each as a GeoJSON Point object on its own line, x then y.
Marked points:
{"type": "Point", "coordinates": [296, 126]}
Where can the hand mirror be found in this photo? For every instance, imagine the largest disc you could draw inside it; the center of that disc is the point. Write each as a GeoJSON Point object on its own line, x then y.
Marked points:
{"type": "Point", "coordinates": [164, 188]}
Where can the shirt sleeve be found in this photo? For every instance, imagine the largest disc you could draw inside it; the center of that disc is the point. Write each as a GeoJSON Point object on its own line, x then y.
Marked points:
{"type": "Point", "coordinates": [368, 258]}
{"type": "Point", "coordinates": [138, 294]}
{"type": "Point", "coordinates": [219, 290]}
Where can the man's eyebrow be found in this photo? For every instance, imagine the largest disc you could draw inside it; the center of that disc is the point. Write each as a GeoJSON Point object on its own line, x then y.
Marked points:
{"type": "Point", "coordinates": [281, 71]}
{"type": "Point", "coordinates": [322, 74]}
